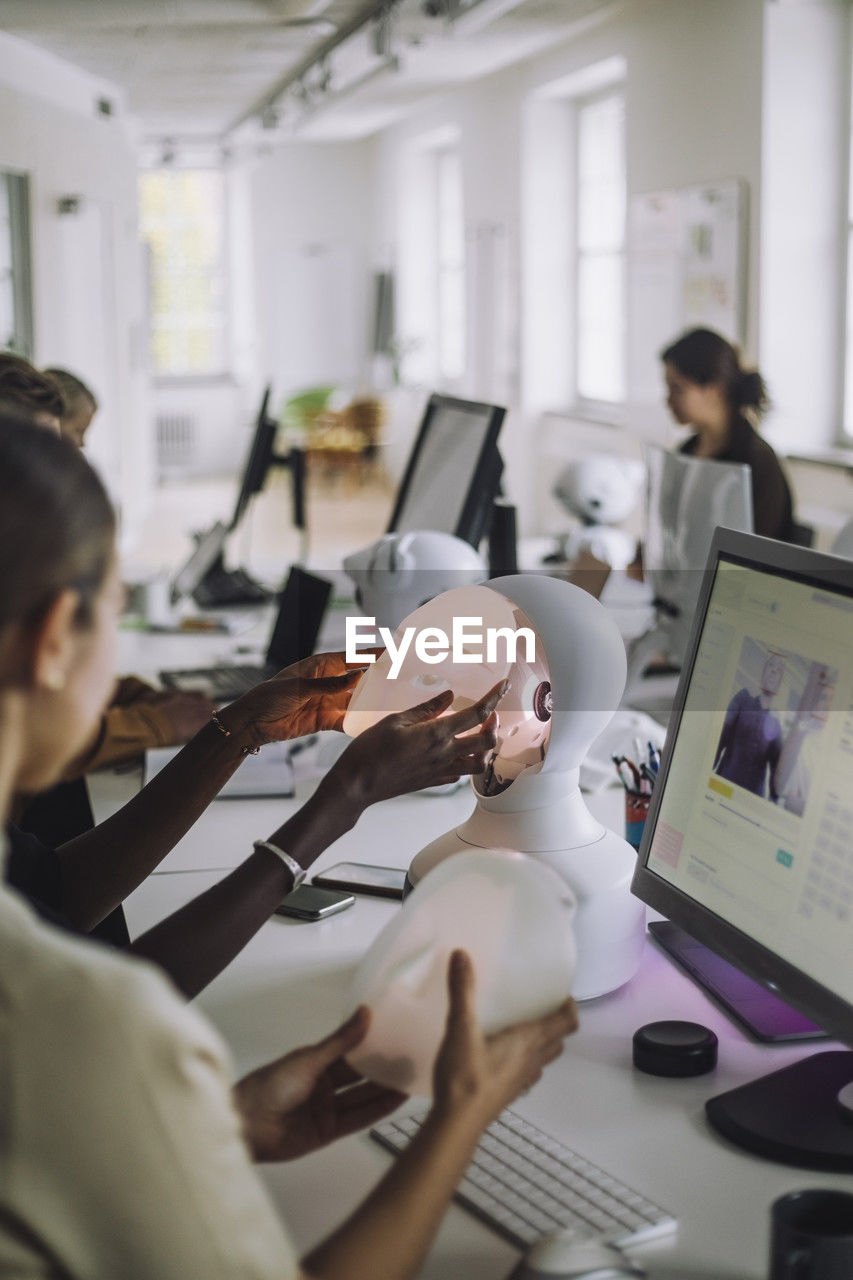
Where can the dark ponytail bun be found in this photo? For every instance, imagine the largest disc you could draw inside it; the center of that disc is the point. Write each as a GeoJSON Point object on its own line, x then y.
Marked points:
{"type": "Point", "coordinates": [751, 392]}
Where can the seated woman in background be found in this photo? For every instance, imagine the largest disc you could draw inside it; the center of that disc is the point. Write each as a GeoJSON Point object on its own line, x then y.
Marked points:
{"type": "Point", "coordinates": [709, 390]}
{"type": "Point", "coordinates": [124, 1151]}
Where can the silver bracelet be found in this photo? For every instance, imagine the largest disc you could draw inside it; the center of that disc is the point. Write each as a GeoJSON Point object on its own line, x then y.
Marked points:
{"type": "Point", "coordinates": [298, 873]}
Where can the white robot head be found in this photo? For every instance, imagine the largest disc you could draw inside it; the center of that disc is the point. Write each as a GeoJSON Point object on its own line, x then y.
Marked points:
{"type": "Point", "coordinates": [600, 490]}
{"type": "Point", "coordinates": [560, 697]}
{"type": "Point", "coordinates": [401, 571]}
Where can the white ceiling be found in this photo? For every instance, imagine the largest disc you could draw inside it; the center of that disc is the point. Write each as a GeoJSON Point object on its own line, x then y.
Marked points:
{"type": "Point", "coordinates": [194, 68]}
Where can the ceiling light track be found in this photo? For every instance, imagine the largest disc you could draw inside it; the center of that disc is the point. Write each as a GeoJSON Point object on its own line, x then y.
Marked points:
{"type": "Point", "coordinates": [378, 11]}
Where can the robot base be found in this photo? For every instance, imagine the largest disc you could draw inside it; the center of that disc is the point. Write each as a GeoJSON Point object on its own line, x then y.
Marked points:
{"type": "Point", "coordinates": [610, 924]}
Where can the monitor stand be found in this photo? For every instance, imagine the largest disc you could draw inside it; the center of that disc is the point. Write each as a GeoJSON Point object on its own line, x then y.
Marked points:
{"type": "Point", "coordinates": [795, 1115]}
{"type": "Point", "coordinates": [758, 1010]}
{"type": "Point", "coordinates": [220, 587]}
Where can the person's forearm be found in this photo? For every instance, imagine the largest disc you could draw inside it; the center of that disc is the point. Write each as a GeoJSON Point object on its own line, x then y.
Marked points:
{"type": "Point", "coordinates": [196, 943]}
{"type": "Point", "coordinates": [102, 866]}
{"type": "Point", "coordinates": [387, 1237]}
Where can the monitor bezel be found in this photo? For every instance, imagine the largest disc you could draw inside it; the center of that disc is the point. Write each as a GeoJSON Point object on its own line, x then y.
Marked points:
{"type": "Point", "coordinates": [485, 474]}
{"type": "Point", "coordinates": [258, 460]}
{"type": "Point", "coordinates": [814, 1000]}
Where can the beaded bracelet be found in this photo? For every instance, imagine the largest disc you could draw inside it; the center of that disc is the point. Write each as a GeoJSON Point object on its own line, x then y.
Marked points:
{"type": "Point", "coordinates": [226, 732]}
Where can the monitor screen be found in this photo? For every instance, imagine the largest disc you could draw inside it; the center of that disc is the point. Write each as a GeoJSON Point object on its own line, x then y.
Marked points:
{"type": "Point", "coordinates": [751, 830]}
{"type": "Point", "coordinates": [258, 460]}
{"type": "Point", "coordinates": [302, 606]}
{"type": "Point", "coordinates": [749, 840]}
{"type": "Point", "coordinates": [207, 551]}
{"type": "Point", "coordinates": [453, 472]}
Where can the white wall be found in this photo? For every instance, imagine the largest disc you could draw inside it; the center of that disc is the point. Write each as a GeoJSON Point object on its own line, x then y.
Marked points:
{"type": "Point", "coordinates": [806, 123]}
{"type": "Point", "coordinates": [694, 94]}
{"type": "Point", "coordinates": [311, 261]}
{"type": "Point", "coordinates": [88, 301]}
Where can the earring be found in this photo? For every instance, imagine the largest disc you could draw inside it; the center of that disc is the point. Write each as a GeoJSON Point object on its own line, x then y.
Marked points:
{"type": "Point", "coordinates": [55, 681]}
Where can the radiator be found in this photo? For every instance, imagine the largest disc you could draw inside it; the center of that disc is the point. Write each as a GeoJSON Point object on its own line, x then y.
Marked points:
{"type": "Point", "coordinates": [177, 441]}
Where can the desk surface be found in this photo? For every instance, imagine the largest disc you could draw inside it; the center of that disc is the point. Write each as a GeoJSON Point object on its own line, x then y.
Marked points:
{"type": "Point", "coordinates": [288, 987]}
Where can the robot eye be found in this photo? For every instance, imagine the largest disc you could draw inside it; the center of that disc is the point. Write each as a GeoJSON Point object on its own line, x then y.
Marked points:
{"type": "Point", "coordinates": [542, 701]}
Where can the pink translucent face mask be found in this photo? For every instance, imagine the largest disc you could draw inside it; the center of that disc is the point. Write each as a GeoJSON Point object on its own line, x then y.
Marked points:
{"type": "Point", "coordinates": [524, 712]}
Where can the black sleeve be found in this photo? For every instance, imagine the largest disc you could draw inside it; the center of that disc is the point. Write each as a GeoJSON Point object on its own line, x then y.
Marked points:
{"type": "Point", "coordinates": [771, 497]}
{"type": "Point", "coordinates": [35, 871]}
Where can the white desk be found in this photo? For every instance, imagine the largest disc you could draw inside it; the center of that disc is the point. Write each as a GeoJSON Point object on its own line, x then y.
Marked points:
{"type": "Point", "coordinates": [288, 987]}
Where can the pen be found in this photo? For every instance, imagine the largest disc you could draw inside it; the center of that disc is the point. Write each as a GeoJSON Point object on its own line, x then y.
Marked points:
{"type": "Point", "coordinates": [621, 761]}
{"type": "Point", "coordinates": [654, 758]}
{"type": "Point", "coordinates": [648, 775]}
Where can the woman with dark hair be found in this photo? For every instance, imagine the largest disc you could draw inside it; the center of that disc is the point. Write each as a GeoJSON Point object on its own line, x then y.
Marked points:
{"type": "Point", "coordinates": [23, 387]}
{"type": "Point", "coordinates": [709, 389]}
{"type": "Point", "coordinates": [81, 405]}
{"type": "Point", "coordinates": [124, 1152]}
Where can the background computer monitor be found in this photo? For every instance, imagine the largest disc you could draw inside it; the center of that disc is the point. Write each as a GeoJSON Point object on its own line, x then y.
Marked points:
{"type": "Point", "coordinates": [749, 840]}
{"type": "Point", "coordinates": [207, 553]}
{"type": "Point", "coordinates": [453, 472]}
{"type": "Point", "coordinates": [258, 460]}
{"type": "Point", "coordinates": [687, 498]}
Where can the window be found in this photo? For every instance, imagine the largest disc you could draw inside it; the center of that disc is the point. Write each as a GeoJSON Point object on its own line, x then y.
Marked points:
{"type": "Point", "coordinates": [182, 219]}
{"type": "Point", "coordinates": [450, 263]}
{"type": "Point", "coordinates": [848, 351]}
{"type": "Point", "coordinates": [16, 320]}
{"type": "Point", "coordinates": [600, 263]}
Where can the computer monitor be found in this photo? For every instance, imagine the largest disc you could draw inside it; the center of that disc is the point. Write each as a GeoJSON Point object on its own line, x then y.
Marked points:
{"type": "Point", "coordinates": [687, 498]}
{"type": "Point", "coordinates": [258, 460]}
{"type": "Point", "coordinates": [453, 472]}
{"type": "Point", "coordinates": [206, 553]}
{"type": "Point", "coordinates": [749, 840]}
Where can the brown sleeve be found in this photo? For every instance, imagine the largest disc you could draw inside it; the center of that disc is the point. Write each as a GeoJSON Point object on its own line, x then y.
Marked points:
{"type": "Point", "coordinates": [131, 689]}
{"type": "Point", "coordinates": [126, 732]}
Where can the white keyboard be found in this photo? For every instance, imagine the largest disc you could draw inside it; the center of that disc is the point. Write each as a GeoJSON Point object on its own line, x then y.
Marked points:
{"type": "Point", "coordinates": [526, 1185]}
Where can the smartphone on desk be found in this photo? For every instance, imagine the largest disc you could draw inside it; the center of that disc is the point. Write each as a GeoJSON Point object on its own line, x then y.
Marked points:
{"type": "Point", "coordinates": [310, 903]}
{"type": "Point", "coordinates": [362, 877]}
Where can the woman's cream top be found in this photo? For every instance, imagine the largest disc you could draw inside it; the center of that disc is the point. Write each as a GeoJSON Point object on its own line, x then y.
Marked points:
{"type": "Point", "coordinates": [121, 1156]}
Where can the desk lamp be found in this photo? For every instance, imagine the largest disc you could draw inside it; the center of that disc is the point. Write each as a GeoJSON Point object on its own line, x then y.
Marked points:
{"type": "Point", "coordinates": [528, 799]}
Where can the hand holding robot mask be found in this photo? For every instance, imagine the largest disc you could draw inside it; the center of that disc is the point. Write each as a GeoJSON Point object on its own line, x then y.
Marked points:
{"type": "Point", "coordinates": [514, 918]}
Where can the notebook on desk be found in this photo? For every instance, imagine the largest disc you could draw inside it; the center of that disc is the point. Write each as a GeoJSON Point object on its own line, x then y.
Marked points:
{"type": "Point", "coordinates": [301, 606]}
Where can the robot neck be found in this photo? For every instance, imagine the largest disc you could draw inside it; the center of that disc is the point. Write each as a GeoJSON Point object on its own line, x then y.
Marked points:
{"type": "Point", "coordinates": [540, 812]}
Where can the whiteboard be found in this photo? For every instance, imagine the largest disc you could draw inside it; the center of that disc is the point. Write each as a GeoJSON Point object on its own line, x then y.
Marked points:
{"type": "Point", "coordinates": [687, 268]}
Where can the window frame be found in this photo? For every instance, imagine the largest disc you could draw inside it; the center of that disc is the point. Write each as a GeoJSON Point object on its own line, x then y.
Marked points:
{"type": "Point", "coordinates": [441, 156]}
{"type": "Point", "coordinates": [591, 408]}
{"type": "Point", "coordinates": [21, 340]}
{"type": "Point", "coordinates": [223, 371]}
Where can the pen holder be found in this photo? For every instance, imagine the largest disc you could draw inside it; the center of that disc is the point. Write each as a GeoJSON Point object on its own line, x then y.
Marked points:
{"type": "Point", "coordinates": [636, 812]}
